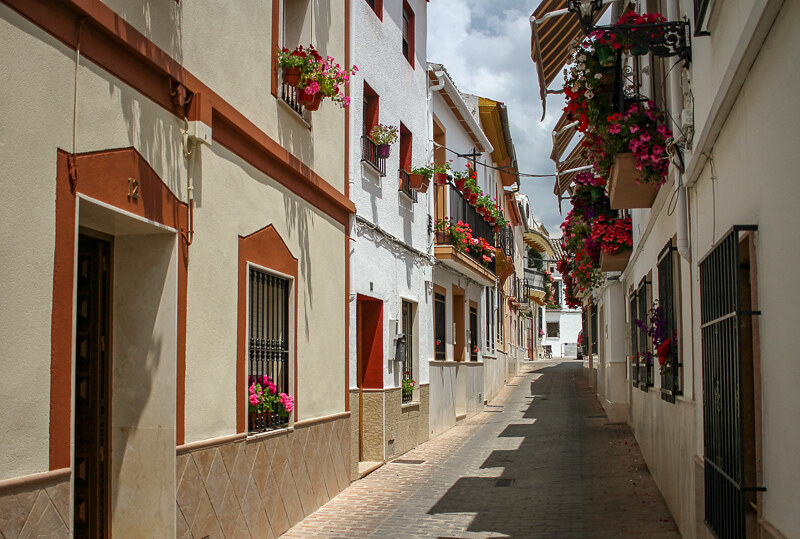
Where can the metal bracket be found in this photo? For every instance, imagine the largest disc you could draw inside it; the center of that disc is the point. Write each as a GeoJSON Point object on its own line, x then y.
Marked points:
{"type": "Point", "coordinates": [663, 39]}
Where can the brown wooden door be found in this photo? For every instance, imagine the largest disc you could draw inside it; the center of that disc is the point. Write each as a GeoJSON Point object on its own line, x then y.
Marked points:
{"type": "Point", "coordinates": [92, 404]}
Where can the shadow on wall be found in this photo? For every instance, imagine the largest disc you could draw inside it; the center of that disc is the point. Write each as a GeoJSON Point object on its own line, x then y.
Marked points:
{"type": "Point", "coordinates": [160, 21]}
{"type": "Point", "coordinates": [563, 478]}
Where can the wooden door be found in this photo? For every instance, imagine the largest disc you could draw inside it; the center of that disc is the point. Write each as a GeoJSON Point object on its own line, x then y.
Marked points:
{"type": "Point", "coordinates": [92, 385]}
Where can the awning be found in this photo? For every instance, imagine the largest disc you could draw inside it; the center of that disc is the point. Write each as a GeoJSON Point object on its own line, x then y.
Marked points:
{"type": "Point", "coordinates": [562, 136]}
{"type": "Point", "coordinates": [539, 242]}
{"type": "Point", "coordinates": [551, 40]}
{"type": "Point", "coordinates": [574, 164]}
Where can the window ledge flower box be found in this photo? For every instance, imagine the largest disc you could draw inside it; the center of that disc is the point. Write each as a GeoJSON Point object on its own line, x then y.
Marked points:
{"type": "Point", "coordinates": [624, 192]}
{"type": "Point", "coordinates": [617, 262]}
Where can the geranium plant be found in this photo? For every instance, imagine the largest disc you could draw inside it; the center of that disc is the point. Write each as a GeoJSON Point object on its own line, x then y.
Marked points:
{"type": "Point", "coordinates": [319, 76]}
{"type": "Point", "coordinates": [656, 328]}
{"type": "Point", "coordinates": [264, 397]}
{"type": "Point", "coordinates": [384, 134]}
{"type": "Point", "coordinates": [613, 235]}
{"type": "Point", "coordinates": [409, 384]}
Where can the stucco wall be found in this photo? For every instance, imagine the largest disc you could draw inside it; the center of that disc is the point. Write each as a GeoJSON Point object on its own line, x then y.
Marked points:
{"type": "Point", "coordinates": [569, 324]}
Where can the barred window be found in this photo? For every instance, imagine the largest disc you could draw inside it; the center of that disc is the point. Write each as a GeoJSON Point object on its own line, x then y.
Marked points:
{"type": "Point", "coordinates": [645, 357]}
{"type": "Point", "coordinates": [268, 346]}
{"type": "Point", "coordinates": [552, 329]}
{"type": "Point", "coordinates": [668, 353]}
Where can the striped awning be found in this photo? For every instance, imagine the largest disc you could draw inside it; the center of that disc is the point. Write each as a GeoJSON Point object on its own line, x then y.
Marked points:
{"type": "Point", "coordinates": [575, 160]}
{"type": "Point", "coordinates": [551, 41]}
{"type": "Point", "coordinates": [562, 136]}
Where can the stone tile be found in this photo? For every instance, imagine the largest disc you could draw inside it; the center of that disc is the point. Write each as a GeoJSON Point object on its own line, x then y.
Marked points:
{"type": "Point", "coordinates": [273, 506]}
{"type": "Point", "coordinates": [251, 506]}
{"type": "Point", "coordinates": [268, 448]}
{"type": "Point", "coordinates": [242, 471]}
{"type": "Point", "coordinates": [180, 466]}
{"type": "Point", "coordinates": [60, 498]}
{"type": "Point", "coordinates": [14, 511]}
{"type": "Point", "coordinates": [329, 475]}
{"type": "Point", "coordinates": [203, 460]}
{"type": "Point", "coordinates": [304, 490]}
{"type": "Point", "coordinates": [229, 512]}
{"type": "Point", "coordinates": [291, 501]}
{"type": "Point", "coordinates": [44, 520]}
{"type": "Point", "coordinates": [261, 468]}
{"type": "Point", "coordinates": [339, 468]}
{"type": "Point", "coordinates": [281, 457]}
{"type": "Point", "coordinates": [217, 482]}
{"type": "Point", "coordinates": [190, 492]}
{"type": "Point", "coordinates": [205, 520]}
{"type": "Point", "coordinates": [229, 453]}
{"type": "Point", "coordinates": [182, 530]}
{"type": "Point", "coordinates": [241, 531]}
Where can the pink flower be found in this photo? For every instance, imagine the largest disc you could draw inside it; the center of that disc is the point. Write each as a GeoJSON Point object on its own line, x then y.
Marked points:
{"type": "Point", "coordinates": [272, 388]}
{"type": "Point", "coordinates": [645, 137]}
{"type": "Point", "coordinates": [613, 129]}
{"type": "Point", "coordinates": [657, 150]}
{"type": "Point", "coordinates": [287, 402]}
{"type": "Point", "coordinates": [264, 380]}
{"type": "Point", "coordinates": [634, 128]}
{"type": "Point", "coordinates": [312, 88]}
{"type": "Point", "coordinates": [252, 389]}
{"type": "Point", "coordinates": [254, 400]}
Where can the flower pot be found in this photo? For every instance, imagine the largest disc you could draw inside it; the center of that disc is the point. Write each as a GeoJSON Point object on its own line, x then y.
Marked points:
{"type": "Point", "coordinates": [425, 183]}
{"type": "Point", "coordinates": [260, 420]}
{"type": "Point", "coordinates": [460, 184]}
{"type": "Point", "coordinates": [497, 229]}
{"type": "Point", "coordinates": [624, 192]}
{"type": "Point", "coordinates": [311, 102]}
{"type": "Point", "coordinates": [384, 150]}
{"type": "Point", "coordinates": [605, 55]}
{"type": "Point", "coordinates": [440, 178]}
{"type": "Point", "coordinates": [415, 181]}
{"type": "Point", "coordinates": [616, 262]}
{"type": "Point", "coordinates": [291, 76]}
{"type": "Point", "coordinates": [472, 198]}
{"type": "Point", "coordinates": [640, 49]}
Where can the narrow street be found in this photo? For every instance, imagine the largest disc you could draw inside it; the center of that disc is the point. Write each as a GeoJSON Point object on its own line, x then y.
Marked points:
{"type": "Point", "coordinates": [542, 460]}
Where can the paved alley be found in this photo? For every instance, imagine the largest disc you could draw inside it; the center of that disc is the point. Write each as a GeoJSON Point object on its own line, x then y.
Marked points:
{"type": "Point", "coordinates": [540, 461]}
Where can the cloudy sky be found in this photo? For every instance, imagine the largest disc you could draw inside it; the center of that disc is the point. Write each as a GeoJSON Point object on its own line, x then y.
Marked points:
{"type": "Point", "coordinates": [485, 46]}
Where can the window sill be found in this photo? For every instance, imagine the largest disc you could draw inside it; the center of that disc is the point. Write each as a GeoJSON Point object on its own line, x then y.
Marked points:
{"type": "Point", "coordinates": [269, 433]}
{"type": "Point", "coordinates": [293, 113]}
{"type": "Point", "coordinates": [407, 405]}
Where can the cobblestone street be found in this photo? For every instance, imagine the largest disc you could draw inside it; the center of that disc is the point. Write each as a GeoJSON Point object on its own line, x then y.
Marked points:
{"type": "Point", "coordinates": [542, 460]}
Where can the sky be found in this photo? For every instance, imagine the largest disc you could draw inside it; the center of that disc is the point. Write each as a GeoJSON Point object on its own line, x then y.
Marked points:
{"type": "Point", "coordinates": [485, 45]}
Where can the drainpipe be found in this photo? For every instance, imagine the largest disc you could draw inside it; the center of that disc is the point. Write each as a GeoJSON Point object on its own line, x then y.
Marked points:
{"type": "Point", "coordinates": [431, 89]}
{"type": "Point", "coordinates": [676, 101]}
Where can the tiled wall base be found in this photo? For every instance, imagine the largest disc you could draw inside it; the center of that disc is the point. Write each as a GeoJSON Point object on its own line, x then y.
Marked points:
{"type": "Point", "coordinates": [36, 510]}
{"type": "Point", "coordinates": [260, 488]}
{"type": "Point", "coordinates": [406, 426]}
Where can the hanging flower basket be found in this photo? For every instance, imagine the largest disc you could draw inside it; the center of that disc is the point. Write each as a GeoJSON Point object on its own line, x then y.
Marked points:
{"type": "Point", "coordinates": [384, 150]}
{"type": "Point", "coordinates": [423, 188]}
{"type": "Point", "coordinates": [415, 181]}
{"type": "Point", "coordinates": [460, 182]}
{"type": "Point", "coordinates": [624, 189]}
{"type": "Point", "coordinates": [440, 178]}
{"type": "Point", "coordinates": [291, 76]}
{"type": "Point", "coordinates": [617, 262]}
{"type": "Point", "coordinates": [311, 102]}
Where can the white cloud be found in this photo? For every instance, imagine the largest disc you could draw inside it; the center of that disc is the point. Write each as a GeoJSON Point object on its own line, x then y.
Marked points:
{"type": "Point", "coordinates": [485, 46]}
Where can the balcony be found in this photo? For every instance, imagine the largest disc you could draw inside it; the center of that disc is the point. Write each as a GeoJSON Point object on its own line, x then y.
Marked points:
{"type": "Point", "coordinates": [518, 294]}
{"type": "Point", "coordinates": [369, 155]}
{"type": "Point", "coordinates": [535, 281]}
{"type": "Point", "coordinates": [451, 205]}
{"type": "Point", "coordinates": [289, 96]}
{"type": "Point", "coordinates": [405, 186]}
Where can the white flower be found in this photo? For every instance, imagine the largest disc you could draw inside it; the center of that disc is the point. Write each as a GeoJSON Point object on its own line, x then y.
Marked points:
{"type": "Point", "coordinates": [589, 94]}
{"type": "Point", "coordinates": [582, 58]}
{"type": "Point", "coordinates": [589, 86]}
{"type": "Point", "coordinates": [581, 66]}
{"type": "Point", "coordinates": [598, 76]}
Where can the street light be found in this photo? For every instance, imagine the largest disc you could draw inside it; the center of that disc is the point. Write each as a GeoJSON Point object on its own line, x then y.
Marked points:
{"type": "Point", "coordinates": [585, 9]}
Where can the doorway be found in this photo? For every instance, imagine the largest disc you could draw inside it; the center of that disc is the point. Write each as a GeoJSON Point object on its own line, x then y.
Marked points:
{"type": "Point", "coordinates": [369, 359]}
{"type": "Point", "coordinates": [92, 387]}
{"type": "Point", "coordinates": [459, 331]}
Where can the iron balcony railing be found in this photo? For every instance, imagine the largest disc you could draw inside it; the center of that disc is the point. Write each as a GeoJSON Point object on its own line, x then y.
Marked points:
{"type": "Point", "coordinates": [505, 241]}
{"type": "Point", "coordinates": [289, 95]}
{"type": "Point", "coordinates": [369, 155]}
{"type": "Point", "coordinates": [405, 185]}
{"type": "Point", "coordinates": [450, 205]}
{"type": "Point", "coordinates": [534, 279]}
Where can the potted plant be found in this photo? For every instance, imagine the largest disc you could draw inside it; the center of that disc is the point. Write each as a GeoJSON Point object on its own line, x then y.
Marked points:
{"type": "Point", "coordinates": [440, 173]}
{"type": "Point", "coordinates": [616, 241]}
{"type": "Point", "coordinates": [384, 136]}
{"type": "Point", "coordinates": [297, 63]}
{"type": "Point", "coordinates": [265, 404]}
{"type": "Point", "coordinates": [319, 76]}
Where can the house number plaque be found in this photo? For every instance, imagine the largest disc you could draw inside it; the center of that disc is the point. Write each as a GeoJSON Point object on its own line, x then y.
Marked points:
{"type": "Point", "coordinates": [133, 189]}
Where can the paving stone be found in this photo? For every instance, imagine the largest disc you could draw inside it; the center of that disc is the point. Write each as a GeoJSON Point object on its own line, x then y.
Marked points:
{"type": "Point", "coordinates": [572, 474]}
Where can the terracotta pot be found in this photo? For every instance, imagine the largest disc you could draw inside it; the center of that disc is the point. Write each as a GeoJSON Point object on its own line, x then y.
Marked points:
{"type": "Point", "coordinates": [492, 221]}
{"type": "Point", "coordinates": [311, 102]}
{"type": "Point", "coordinates": [425, 183]}
{"type": "Point", "coordinates": [623, 190]}
{"type": "Point", "coordinates": [415, 181]}
{"type": "Point", "coordinates": [384, 150]}
{"type": "Point", "coordinates": [460, 184]}
{"type": "Point", "coordinates": [291, 76]}
{"type": "Point", "coordinates": [616, 262]}
{"type": "Point", "coordinates": [440, 178]}
{"type": "Point", "coordinates": [260, 420]}
{"type": "Point", "coordinates": [496, 229]}
{"type": "Point", "coordinates": [472, 198]}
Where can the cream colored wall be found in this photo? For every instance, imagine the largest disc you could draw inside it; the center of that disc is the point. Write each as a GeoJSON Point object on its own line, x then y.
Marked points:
{"type": "Point", "coordinates": [145, 318]}
{"type": "Point", "coordinates": [228, 47]}
{"type": "Point", "coordinates": [36, 120]}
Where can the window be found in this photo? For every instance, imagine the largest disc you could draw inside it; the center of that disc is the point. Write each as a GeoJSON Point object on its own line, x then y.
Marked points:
{"type": "Point", "coordinates": [668, 355]}
{"type": "Point", "coordinates": [634, 374]}
{"type": "Point", "coordinates": [557, 293]}
{"type": "Point", "coordinates": [405, 162]}
{"type": "Point", "coordinates": [490, 314]}
{"type": "Point", "coordinates": [370, 115]}
{"type": "Point", "coordinates": [645, 358]}
{"type": "Point", "coordinates": [594, 328]}
{"type": "Point", "coordinates": [500, 316]}
{"type": "Point", "coordinates": [268, 342]}
{"type": "Point", "coordinates": [377, 7]}
{"type": "Point", "coordinates": [473, 333]}
{"type": "Point", "coordinates": [552, 329]}
{"type": "Point", "coordinates": [296, 31]}
{"type": "Point", "coordinates": [702, 10]}
{"type": "Point", "coordinates": [408, 33]}
{"type": "Point", "coordinates": [439, 326]}
{"type": "Point", "coordinates": [408, 359]}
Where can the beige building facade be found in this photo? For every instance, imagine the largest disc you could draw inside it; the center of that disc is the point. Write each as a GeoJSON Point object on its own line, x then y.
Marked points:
{"type": "Point", "coordinates": [159, 186]}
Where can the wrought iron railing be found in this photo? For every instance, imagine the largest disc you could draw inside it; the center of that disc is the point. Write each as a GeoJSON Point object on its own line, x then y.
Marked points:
{"type": "Point", "coordinates": [268, 346]}
{"type": "Point", "coordinates": [505, 241]}
{"type": "Point", "coordinates": [408, 364]}
{"type": "Point", "coordinates": [369, 155]}
{"type": "Point", "coordinates": [450, 205]}
{"type": "Point", "coordinates": [534, 279]}
{"type": "Point", "coordinates": [289, 95]}
{"type": "Point", "coordinates": [405, 185]}
{"type": "Point", "coordinates": [670, 371]}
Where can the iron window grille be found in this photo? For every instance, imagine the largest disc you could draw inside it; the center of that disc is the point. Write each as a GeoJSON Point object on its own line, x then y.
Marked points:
{"type": "Point", "coordinates": [490, 318]}
{"type": "Point", "coordinates": [405, 185]}
{"type": "Point", "coordinates": [369, 155]}
{"type": "Point", "coordinates": [289, 96]}
{"type": "Point", "coordinates": [634, 303]}
{"type": "Point", "coordinates": [594, 328]}
{"type": "Point", "coordinates": [671, 370]}
{"type": "Point", "coordinates": [408, 331]}
{"type": "Point", "coordinates": [268, 341]}
{"type": "Point", "coordinates": [726, 317]}
{"type": "Point", "coordinates": [552, 329]}
{"type": "Point", "coordinates": [439, 329]}
{"type": "Point", "coordinates": [701, 13]}
{"type": "Point", "coordinates": [454, 208]}
{"type": "Point", "coordinates": [645, 356]}
{"type": "Point", "coordinates": [473, 334]}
